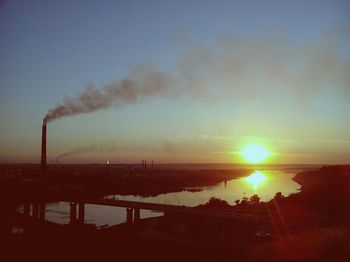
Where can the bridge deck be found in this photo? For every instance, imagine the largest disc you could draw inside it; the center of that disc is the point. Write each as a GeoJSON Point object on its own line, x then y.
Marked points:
{"type": "Point", "coordinates": [161, 207]}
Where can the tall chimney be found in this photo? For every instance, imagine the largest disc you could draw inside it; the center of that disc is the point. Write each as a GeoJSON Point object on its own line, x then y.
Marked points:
{"type": "Point", "coordinates": [43, 145]}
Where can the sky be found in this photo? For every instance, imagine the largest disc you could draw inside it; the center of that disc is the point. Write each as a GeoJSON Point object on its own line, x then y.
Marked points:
{"type": "Point", "coordinates": [175, 81]}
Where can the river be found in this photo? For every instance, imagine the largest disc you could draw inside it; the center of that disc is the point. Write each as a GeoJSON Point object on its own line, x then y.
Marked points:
{"type": "Point", "coordinates": [264, 183]}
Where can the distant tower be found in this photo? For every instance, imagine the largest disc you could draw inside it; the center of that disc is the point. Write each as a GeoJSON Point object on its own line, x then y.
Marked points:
{"type": "Point", "coordinates": [43, 146]}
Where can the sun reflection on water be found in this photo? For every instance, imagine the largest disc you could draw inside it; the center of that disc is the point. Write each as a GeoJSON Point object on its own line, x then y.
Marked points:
{"type": "Point", "coordinates": [256, 179]}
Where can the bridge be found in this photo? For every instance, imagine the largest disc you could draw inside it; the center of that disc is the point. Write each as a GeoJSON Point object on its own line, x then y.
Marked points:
{"type": "Point", "coordinates": [77, 209]}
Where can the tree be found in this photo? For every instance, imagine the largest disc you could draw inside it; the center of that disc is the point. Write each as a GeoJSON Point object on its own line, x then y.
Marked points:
{"type": "Point", "coordinates": [217, 202]}
{"type": "Point", "coordinates": [278, 196]}
{"type": "Point", "coordinates": [244, 201]}
{"type": "Point", "coordinates": [255, 199]}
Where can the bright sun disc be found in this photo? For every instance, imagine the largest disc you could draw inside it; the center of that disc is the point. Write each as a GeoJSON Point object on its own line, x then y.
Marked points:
{"type": "Point", "coordinates": [256, 179]}
{"type": "Point", "coordinates": [255, 154]}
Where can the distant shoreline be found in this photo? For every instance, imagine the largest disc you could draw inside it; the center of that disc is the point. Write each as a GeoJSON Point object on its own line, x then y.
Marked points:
{"type": "Point", "coordinates": [179, 165]}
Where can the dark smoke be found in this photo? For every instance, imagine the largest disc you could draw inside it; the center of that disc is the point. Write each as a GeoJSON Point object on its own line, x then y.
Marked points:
{"type": "Point", "coordinates": [238, 68]}
{"type": "Point", "coordinates": [143, 83]}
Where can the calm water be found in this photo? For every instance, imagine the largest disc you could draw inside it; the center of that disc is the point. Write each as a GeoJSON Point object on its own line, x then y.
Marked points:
{"type": "Point", "coordinates": [102, 216]}
{"type": "Point", "coordinates": [273, 181]}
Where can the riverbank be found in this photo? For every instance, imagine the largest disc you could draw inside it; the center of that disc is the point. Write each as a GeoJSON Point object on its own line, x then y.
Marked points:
{"type": "Point", "coordinates": [22, 182]}
{"type": "Point", "coordinates": [317, 216]}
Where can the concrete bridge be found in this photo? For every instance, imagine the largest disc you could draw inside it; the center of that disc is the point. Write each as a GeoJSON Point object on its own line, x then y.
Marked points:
{"type": "Point", "coordinates": [77, 209]}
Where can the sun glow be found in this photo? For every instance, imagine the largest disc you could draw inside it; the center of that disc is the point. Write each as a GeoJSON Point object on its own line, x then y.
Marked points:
{"type": "Point", "coordinates": [255, 154]}
{"type": "Point", "coordinates": [256, 179]}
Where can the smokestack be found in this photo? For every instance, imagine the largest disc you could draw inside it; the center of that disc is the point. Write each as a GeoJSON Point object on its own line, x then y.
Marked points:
{"type": "Point", "coordinates": [43, 145]}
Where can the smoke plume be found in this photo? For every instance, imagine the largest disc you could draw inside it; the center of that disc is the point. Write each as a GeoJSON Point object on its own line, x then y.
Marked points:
{"type": "Point", "coordinates": [142, 83]}
{"type": "Point", "coordinates": [107, 147]}
{"type": "Point", "coordinates": [237, 68]}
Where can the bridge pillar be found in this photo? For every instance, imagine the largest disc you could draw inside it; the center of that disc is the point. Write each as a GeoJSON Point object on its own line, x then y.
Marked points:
{"type": "Point", "coordinates": [26, 208]}
{"type": "Point", "coordinates": [42, 210]}
{"type": "Point", "coordinates": [136, 214]}
{"type": "Point", "coordinates": [129, 214]}
{"type": "Point", "coordinates": [168, 213]}
{"type": "Point", "coordinates": [35, 209]}
{"type": "Point", "coordinates": [81, 213]}
{"type": "Point", "coordinates": [73, 212]}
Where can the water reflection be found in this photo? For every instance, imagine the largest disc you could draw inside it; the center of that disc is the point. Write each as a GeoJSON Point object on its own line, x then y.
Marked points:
{"type": "Point", "coordinates": [256, 179]}
{"type": "Point", "coordinates": [101, 216]}
{"type": "Point", "coordinates": [264, 183]}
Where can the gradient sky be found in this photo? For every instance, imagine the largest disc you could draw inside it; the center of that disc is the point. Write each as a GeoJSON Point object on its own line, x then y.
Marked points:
{"type": "Point", "coordinates": [269, 72]}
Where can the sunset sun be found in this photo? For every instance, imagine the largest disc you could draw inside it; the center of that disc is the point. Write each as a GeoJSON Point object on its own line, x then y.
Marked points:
{"type": "Point", "coordinates": [255, 154]}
